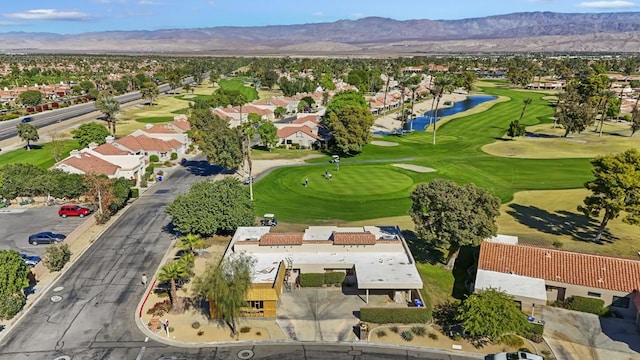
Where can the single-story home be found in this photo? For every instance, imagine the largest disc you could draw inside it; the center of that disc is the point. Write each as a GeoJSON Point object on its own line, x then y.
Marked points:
{"type": "Point", "coordinates": [536, 275]}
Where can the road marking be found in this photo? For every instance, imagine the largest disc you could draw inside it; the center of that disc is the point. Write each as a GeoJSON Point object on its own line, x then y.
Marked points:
{"type": "Point", "coordinates": [140, 353]}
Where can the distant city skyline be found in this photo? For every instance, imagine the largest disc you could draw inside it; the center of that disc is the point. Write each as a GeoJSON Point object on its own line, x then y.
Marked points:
{"type": "Point", "coordinates": [76, 16]}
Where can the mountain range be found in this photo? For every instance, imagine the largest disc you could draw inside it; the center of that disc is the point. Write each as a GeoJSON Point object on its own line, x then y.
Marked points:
{"type": "Point", "coordinates": [517, 32]}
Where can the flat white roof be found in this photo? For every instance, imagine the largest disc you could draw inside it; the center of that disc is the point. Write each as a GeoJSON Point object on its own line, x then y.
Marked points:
{"type": "Point", "coordinates": [514, 285]}
{"type": "Point", "coordinates": [504, 239]}
{"type": "Point", "coordinates": [391, 267]}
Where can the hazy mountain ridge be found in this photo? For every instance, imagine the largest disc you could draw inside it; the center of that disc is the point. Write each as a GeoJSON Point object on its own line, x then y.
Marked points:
{"type": "Point", "coordinates": [534, 31]}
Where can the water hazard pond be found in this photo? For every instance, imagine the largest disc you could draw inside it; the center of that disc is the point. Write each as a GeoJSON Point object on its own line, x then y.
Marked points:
{"type": "Point", "coordinates": [470, 102]}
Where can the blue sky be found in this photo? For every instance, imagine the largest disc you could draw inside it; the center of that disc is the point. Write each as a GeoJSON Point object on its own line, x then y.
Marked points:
{"type": "Point", "coordinates": [76, 16]}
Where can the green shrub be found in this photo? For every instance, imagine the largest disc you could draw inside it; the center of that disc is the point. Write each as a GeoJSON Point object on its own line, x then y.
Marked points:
{"type": "Point", "coordinates": [160, 308]}
{"type": "Point", "coordinates": [167, 163]}
{"type": "Point", "coordinates": [536, 328]}
{"type": "Point", "coordinates": [171, 329]}
{"type": "Point", "coordinates": [557, 244]}
{"type": "Point", "coordinates": [160, 172]}
{"type": "Point", "coordinates": [334, 277]}
{"type": "Point", "coordinates": [201, 332]}
{"type": "Point", "coordinates": [195, 325]}
{"type": "Point", "coordinates": [583, 304]}
{"type": "Point", "coordinates": [419, 330]}
{"type": "Point", "coordinates": [11, 304]}
{"type": "Point", "coordinates": [9, 117]}
{"type": "Point", "coordinates": [394, 329]}
{"type": "Point", "coordinates": [524, 349]}
{"type": "Point", "coordinates": [512, 341]}
{"type": "Point", "coordinates": [381, 333]}
{"type": "Point", "coordinates": [311, 279]}
{"type": "Point", "coordinates": [135, 192]}
{"type": "Point", "coordinates": [258, 333]}
{"type": "Point", "coordinates": [174, 156]}
{"type": "Point", "coordinates": [398, 315]}
{"type": "Point", "coordinates": [154, 158]}
{"type": "Point", "coordinates": [245, 329]}
{"type": "Point", "coordinates": [433, 336]}
{"type": "Point", "coordinates": [406, 335]}
{"type": "Point", "coordinates": [56, 256]}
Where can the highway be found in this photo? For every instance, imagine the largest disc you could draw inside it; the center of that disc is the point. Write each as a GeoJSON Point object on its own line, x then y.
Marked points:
{"type": "Point", "coordinates": [94, 315]}
{"type": "Point", "coordinates": [8, 128]}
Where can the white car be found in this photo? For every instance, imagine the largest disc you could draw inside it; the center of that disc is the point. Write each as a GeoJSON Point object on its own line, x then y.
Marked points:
{"type": "Point", "coordinates": [520, 355]}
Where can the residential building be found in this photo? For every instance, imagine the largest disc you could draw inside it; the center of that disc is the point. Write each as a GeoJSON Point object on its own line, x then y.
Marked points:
{"type": "Point", "coordinates": [375, 259]}
{"type": "Point", "coordinates": [299, 134]}
{"type": "Point", "coordinates": [535, 276]}
{"type": "Point", "coordinates": [175, 130]}
{"type": "Point", "coordinates": [148, 146]}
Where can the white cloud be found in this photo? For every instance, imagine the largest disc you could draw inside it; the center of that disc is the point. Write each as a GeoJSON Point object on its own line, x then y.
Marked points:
{"type": "Point", "coordinates": [148, 3]}
{"type": "Point", "coordinates": [50, 14]}
{"type": "Point", "coordinates": [318, 14]}
{"type": "Point", "coordinates": [616, 4]}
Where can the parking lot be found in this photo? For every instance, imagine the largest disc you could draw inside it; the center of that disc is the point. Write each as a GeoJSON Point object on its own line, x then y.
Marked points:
{"type": "Point", "coordinates": [17, 223]}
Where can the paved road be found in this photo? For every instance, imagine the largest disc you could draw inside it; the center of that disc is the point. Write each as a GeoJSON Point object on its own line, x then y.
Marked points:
{"type": "Point", "coordinates": [17, 223]}
{"type": "Point", "coordinates": [95, 318]}
{"type": "Point", "coordinates": [8, 128]}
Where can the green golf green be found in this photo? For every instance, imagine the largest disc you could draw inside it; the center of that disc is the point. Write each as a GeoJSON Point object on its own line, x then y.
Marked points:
{"type": "Point", "coordinates": [366, 193]}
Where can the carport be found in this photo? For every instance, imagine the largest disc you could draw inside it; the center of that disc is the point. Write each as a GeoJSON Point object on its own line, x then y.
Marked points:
{"type": "Point", "coordinates": [386, 273]}
{"type": "Point", "coordinates": [529, 292]}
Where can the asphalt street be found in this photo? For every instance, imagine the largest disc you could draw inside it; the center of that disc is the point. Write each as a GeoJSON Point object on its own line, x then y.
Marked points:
{"type": "Point", "coordinates": [89, 313]}
{"type": "Point", "coordinates": [17, 223]}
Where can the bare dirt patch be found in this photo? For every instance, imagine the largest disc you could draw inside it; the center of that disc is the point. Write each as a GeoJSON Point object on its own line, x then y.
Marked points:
{"type": "Point", "coordinates": [384, 143]}
{"type": "Point", "coordinates": [416, 168]}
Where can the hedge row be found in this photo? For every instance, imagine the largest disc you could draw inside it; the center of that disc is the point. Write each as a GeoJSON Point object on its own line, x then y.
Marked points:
{"type": "Point", "coordinates": [319, 279]}
{"type": "Point", "coordinates": [584, 304]}
{"type": "Point", "coordinates": [395, 315]}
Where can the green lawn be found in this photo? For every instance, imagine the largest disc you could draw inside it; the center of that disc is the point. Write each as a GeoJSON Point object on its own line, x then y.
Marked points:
{"type": "Point", "coordinates": [192, 97]}
{"type": "Point", "coordinates": [236, 84]}
{"type": "Point", "coordinates": [40, 156]}
{"type": "Point", "coordinates": [155, 119]}
{"type": "Point", "coordinates": [457, 156]}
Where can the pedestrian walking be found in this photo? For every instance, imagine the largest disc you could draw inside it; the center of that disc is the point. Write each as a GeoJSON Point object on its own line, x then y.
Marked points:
{"type": "Point", "coordinates": [306, 182]}
{"type": "Point", "coordinates": [143, 280]}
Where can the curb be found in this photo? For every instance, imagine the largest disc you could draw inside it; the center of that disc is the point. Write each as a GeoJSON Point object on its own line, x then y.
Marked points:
{"type": "Point", "coordinates": [16, 320]}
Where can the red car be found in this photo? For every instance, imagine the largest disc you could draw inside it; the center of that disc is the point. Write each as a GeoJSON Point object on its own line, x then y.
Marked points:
{"type": "Point", "coordinates": [73, 210]}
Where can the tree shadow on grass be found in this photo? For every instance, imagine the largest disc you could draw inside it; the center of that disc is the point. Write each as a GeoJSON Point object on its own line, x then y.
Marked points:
{"type": "Point", "coordinates": [422, 250]}
{"type": "Point", "coordinates": [560, 222]}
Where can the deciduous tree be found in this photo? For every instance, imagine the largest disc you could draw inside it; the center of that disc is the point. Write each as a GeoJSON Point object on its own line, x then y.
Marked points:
{"type": "Point", "coordinates": [615, 189]}
{"type": "Point", "coordinates": [13, 280]}
{"type": "Point", "coordinates": [350, 128]}
{"type": "Point", "coordinates": [451, 216]}
{"type": "Point", "coordinates": [212, 207]}
{"type": "Point", "coordinates": [150, 91]}
{"type": "Point", "coordinates": [57, 145]}
{"type": "Point", "coordinates": [268, 134]}
{"type": "Point", "coordinates": [221, 144]}
{"type": "Point", "coordinates": [30, 98]}
{"type": "Point", "coordinates": [491, 313]}
{"type": "Point", "coordinates": [225, 285]}
{"type": "Point", "coordinates": [92, 132]}
{"type": "Point", "coordinates": [28, 133]}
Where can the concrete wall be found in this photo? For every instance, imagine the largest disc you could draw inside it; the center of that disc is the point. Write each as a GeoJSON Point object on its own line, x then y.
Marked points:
{"type": "Point", "coordinates": [605, 295]}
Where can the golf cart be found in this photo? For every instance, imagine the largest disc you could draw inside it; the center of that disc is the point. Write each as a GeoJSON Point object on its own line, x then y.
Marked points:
{"type": "Point", "coordinates": [269, 220]}
{"type": "Point", "coordinates": [334, 159]}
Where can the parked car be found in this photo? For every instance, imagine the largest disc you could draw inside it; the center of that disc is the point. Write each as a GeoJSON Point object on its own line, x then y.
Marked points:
{"type": "Point", "coordinates": [31, 260]}
{"type": "Point", "coordinates": [73, 210]}
{"type": "Point", "coordinates": [46, 237]}
{"type": "Point", "coordinates": [27, 119]}
{"type": "Point", "coordinates": [520, 355]}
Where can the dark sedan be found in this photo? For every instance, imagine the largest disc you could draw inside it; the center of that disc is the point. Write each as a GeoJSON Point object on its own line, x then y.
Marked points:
{"type": "Point", "coordinates": [30, 260]}
{"type": "Point", "coordinates": [46, 237]}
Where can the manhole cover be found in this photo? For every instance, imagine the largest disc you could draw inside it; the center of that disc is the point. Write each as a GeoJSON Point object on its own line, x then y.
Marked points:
{"type": "Point", "coordinates": [59, 288]}
{"type": "Point", "coordinates": [56, 298]}
{"type": "Point", "coordinates": [64, 357]}
{"type": "Point", "coordinates": [245, 354]}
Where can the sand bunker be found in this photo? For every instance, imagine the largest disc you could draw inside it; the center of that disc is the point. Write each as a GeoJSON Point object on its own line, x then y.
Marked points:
{"type": "Point", "coordinates": [384, 143]}
{"type": "Point", "coordinates": [416, 168]}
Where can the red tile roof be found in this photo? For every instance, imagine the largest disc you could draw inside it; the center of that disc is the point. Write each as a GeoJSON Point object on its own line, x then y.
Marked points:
{"type": "Point", "coordinates": [90, 164]}
{"type": "Point", "coordinates": [110, 149]}
{"type": "Point", "coordinates": [304, 119]}
{"type": "Point", "coordinates": [137, 143]}
{"type": "Point", "coordinates": [159, 129]}
{"type": "Point", "coordinates": [287, 131]}
{"type": "Point", "coordinates": [561, 266]}
{"type": "Point", "coordinates": [271, 239]}
{"type": "Point", "coordinates": [183, 125]}
{"type": "Point", "coordinates": [354, 238]}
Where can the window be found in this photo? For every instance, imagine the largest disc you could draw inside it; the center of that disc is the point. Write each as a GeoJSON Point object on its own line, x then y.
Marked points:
{"type": "Point", "coordinates": [258, 304]}
{"type": "Point", "coordinates": [593, 294]}
{"type": "Point", "coordinates": [621, 302]}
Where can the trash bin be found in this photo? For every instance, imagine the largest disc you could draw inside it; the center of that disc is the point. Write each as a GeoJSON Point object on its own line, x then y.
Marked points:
{"type": "Point", "coordinates": [159, 177]}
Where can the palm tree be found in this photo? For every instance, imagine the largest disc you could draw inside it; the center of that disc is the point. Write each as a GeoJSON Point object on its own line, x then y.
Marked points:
{"type": "Point", "coordinates": [191, 242]}
{"type": "Point", "coordinates": [440, 86]}
{"type": "Point", "coordinates": [172, 272]}
{"type": "Point", "coordinates": [526, 103]}
{"type": "Point", "coordinates": [110, 108]}
{"type": "Point", "coordinates": [606, 96]}
{"type": "Point", "coordinates": [149, 90]}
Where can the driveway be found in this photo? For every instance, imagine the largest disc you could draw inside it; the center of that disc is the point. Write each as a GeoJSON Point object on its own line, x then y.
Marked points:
{"type": "Point", "coordinates": [19, 222]}
{"type": "Point", "coordinates": [320, 314]}
{"type": "Point", "coordinates": [575, 335]}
